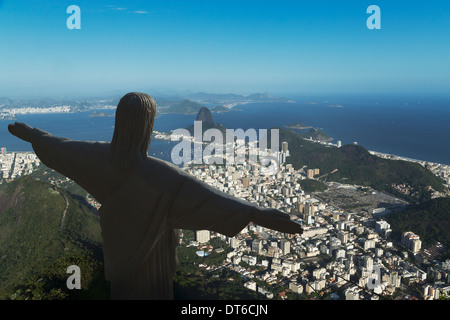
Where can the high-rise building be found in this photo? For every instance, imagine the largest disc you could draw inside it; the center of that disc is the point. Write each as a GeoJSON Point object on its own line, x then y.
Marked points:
{"type": "Point", "coordinates": [411, 241]}
{"type": "Point", "coordinates": [383, 228]}
{"type": "Point", "coordinates": [202, 236]}
{"type": "Point", "coordinates": [299, 207]}
{"type": "Point", "coordinates": [379, 252]}
{"type": "Point", "coordinates": [334, 244]}
{"type": "Point", "coordinates": [295, 287]}
{"type": "Point", "coordinates": [394, 279]}
{"type": "Point", "coordinates": [369, 244]}
{"type": "Point", "coordinates": [3, 151]}
{"type": "Point", "coordinates": [257, 246]}
{"type": "Point", "coordinates": [272, 251]}
{"type": "Point", "coordinates": [339, 144]}
{"type": "Point", "coordinates": [284, 147]}
{"type": "Point", "coordinates": [368, 262]}
{"type": "Point", "coordinates": [287, 191]}
{"type": "Point", "coordinates": [343, 236]}
{"type": "Point", "coordinates": [339, 253]}
{"type": "Point", "coordinates": [415, 245]}
{"type": "Point", "coordinates": [405, 238]}
{"type": "Point", "coordinates": [285, 246]}
{"type": "Point", "coordinates": [351, 293]}
{"type": "Point", "coordinates": [234, 243]}
{"type": "Point", "coordinates": [281, 157]}
{"type": "Point", "coordinates": [381, 225]}
{"type": "Point", "coordinates": [309, 209]}
{"type": "Point", "coordinates": [310, 173]}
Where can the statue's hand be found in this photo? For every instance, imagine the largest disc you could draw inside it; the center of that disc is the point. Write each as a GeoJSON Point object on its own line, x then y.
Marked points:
{"type": "Point", "coordinates": [276, 220]}
{"type": "Point", "coordinates": [21, 130]}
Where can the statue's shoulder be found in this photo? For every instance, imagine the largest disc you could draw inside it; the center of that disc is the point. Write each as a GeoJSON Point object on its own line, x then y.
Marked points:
{"type": "Point", "coordinates": [99, 150]}
{"type": "Point", "coordinates": [160, 173]}
{"type": "Point", "coordinates": [101, 146]}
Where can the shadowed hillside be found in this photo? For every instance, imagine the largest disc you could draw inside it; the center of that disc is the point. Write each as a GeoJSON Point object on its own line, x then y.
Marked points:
{"type": "Point", "coordinates": [37, 244]}
{"type": "Point", "coordinates": [430, 220]}
{"type": "Point", "coordinates": [355, 165]}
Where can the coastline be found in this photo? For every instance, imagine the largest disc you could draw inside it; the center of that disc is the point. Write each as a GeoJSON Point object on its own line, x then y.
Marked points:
{"type": "Point", "coordinates": [53, 124]}
{"type": "Point", "coordinates": [441, 170]}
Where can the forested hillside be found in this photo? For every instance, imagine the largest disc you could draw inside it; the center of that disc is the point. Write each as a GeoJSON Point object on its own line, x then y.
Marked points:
{"type": "Point", "coordinates": [43, 230]}
{"type": "Point", "coordinates": [355, 165]}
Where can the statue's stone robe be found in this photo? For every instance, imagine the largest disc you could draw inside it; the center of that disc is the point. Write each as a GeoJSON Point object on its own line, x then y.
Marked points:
{"type": "Point", "coordinates": [141, 212]}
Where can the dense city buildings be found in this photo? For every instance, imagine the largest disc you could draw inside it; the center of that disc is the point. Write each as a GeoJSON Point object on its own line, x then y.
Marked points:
{"type": "Point", "coordinates": [16, 164]}
{"type": "Point", "coordinates": [348, 254]}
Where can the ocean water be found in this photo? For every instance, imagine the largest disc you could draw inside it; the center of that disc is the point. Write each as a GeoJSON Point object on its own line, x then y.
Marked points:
{"type": "Point", "coordinates": [415, 132]}
{"type": "Point", "coordinates": [418, 131]}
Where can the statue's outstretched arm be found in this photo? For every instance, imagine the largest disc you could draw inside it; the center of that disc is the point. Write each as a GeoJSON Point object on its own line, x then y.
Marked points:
{"type": "Point", "coordinates": [25, 132]}
{"type": "Point", "coordinates": [81, 161]}
{"type": "Point", "coordinates": [58, 153]}
{"type": "Point", "coordinates": [198, 206]}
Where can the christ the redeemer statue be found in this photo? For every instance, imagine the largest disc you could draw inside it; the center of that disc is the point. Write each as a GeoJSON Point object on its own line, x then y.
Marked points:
{"type": "Point", "coordinates": [144, 200]}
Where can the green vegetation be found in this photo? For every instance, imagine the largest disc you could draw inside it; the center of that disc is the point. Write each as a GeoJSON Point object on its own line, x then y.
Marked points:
{"type": "Point", "coordinates": [193, 283]}
{"type": "Point", "coordinates": [355, 165]}
{"type": "Point", "coordinates": [51, 283]}
{"type": "Point", "coordinates": [430, 220]}
{"type": "Point", "coordinates": [43, 173]}
{"type": "Point", "coordinates": [33, 248]}
{"type": "Point", "coordinates": [310, 185]}
{"type": "Point", "coordinates": [222, 284]}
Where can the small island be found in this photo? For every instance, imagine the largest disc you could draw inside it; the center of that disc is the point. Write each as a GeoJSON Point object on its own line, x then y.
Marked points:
{"type": "Point", "coordinates": [97, 113]}
{"type": "Point", "coordinates": [220, 108]}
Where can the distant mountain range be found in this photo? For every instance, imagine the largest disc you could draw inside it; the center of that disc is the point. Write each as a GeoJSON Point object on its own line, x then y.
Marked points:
{"type": "Point", "coordinates": [184, 106]}
{"type": "Point", "coordinates": [76, 104]}
{"type": "Point", "coordinates": [213, 98]}
{"type": "Point", "coordinates": [189, 103]}
{"type": "Point", "coordinates": [192, 103]}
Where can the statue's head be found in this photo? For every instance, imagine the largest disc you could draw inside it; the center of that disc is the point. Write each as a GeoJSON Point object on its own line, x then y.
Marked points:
{"type": "Point", "coordinates": [135, 115]}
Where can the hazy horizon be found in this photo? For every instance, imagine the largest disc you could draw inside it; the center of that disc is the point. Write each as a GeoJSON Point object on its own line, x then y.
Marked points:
{"type": "Point", "coordinates": [359, 97]}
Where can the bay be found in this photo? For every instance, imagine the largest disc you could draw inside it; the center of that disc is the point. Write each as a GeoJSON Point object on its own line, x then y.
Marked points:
{"type": "Point", "coordinates": [418, 131]}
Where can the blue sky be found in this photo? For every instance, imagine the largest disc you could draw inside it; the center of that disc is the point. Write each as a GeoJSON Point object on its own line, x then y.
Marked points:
{"type": "Point", "coordinates": [281, 47]}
